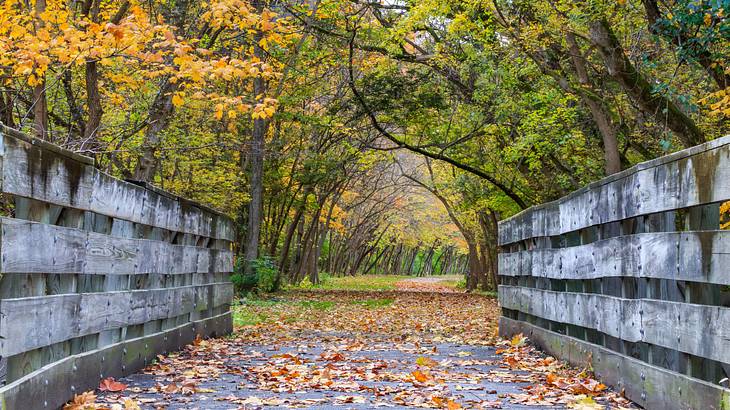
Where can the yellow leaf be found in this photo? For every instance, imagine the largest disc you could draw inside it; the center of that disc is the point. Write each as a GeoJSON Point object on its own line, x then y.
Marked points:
{"type": "Point", "coordinates": [584, 402]}
{"type": "Point", "coordinates": [130, 404]}
{"type": "Point", "coordinates": [177, 100]}
{"type": "Point", "coordinates": [426, 361]}
{"type": "Point", "coordinates": [518, 340]}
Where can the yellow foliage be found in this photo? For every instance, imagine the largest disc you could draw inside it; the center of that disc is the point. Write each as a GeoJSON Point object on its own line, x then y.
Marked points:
{"type": "Point", "coordinates": [137, 46]}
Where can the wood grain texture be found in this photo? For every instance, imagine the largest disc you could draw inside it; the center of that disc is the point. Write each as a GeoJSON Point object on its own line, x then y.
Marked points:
{"type": "Point", "coordinates": [696, 256]}
{"type": "Point", "coordinates": [32, 170]}
{"type": "Point", "coordinates": [29, 247]}
{"type": "Point", "coordinates": [700, 330]}
{"type": "Point", "coordinates": [30, 323]}
{"type": "Point", "coordinates": [53, 385]}
{"type": "Point", "coordinates": [699, 175]}
{"type": "Point", "coordinates": [649, 386]}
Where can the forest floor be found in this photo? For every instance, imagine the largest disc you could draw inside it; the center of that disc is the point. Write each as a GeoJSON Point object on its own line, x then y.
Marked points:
{"type": "Point", "coordinates": [422, 344]}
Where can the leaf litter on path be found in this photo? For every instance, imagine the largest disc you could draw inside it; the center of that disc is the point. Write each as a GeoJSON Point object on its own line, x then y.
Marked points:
{"type": "Point", "coordinates": [426, 349]}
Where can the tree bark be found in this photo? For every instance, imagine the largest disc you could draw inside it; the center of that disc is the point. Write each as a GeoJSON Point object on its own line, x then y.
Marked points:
{"type": "Point", "coordinates": [260, 126]}
{"type": "Point", "coordinates": [40, 105]}
{"type": "Point", "coordinates": [638, 88]}
{"type": "Point", "coordinates": [599, 111]}
{"type": "Point", "coordinates": [160, 114]}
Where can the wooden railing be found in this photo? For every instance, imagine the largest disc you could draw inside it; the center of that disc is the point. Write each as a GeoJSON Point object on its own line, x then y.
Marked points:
{"type": "Point", "coordinates": [99, 275]}
{"type": "Point", "coordinates": [631, 276]}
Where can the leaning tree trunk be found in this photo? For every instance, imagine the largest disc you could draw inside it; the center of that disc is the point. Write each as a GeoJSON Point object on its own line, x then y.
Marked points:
{"type": "Point", "coordinates": [638, 88]}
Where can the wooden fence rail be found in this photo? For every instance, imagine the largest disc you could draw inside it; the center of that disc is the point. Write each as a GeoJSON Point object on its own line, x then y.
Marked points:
{"type": "Point", "coordinates": [98, 275]}
{"type": "Point", "coordinates": [631, 276]}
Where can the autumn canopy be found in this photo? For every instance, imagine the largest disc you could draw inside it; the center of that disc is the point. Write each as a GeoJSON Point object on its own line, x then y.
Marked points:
{"type": "Point", "coordinates": [350, 136]}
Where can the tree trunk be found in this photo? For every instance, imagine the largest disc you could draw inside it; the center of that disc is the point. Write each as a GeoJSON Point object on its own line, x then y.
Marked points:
{"type": "Point", "coordinates": [40, 105]}
{"type": "Point", "coordinates": [260, 125]}
{"type": "Point", "coordinates": [160, 113]}
{"type": "Point", "coordinates": [93, 98]}
{"type": "Point", "coordinates": [599, 111]}
{"type": "Point", "coordinates": [639, 89]}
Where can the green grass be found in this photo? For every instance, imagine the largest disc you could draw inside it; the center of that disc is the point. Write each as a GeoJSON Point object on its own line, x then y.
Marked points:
{"type": "Point", "coordinates": [246, 317]}
{"type": "Point", "coordinates": [373, 303]}
{"type": "Point", "coordinates": [252, 311]}
{"type": "Point", "coordinates": [488, 293]}
{"type": "Point", "coordinates": [317, 304]}
{"type": "Point", "coordinates": [359, 282]}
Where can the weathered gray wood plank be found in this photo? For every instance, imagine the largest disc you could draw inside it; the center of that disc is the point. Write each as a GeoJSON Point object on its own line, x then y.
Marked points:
{"type": "Point", "coordinates": [32, 170]}
{"type": "Point", "coordinates": [34, 322]}
{"type": "Point", "coordinates": [700, 330]}
{"type": "Point", "coordinates": [649, 386]}
{"type": "Point", "coordinates": [29, 247]}
{"type": "Point", "coordinates": [699, 175]}
{"type": "Point", "coordinates": [701, 256]}
{"type": "Point", "coordinates": [53, 385]}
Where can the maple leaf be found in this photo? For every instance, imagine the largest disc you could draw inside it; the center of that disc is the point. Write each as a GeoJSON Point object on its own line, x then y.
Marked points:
{"type": "Point", "coordinates": [109, 384]}
{"type": "Point", "coordinates": [81, 401]}
{"type": "Point", "coordinates": [518, 340]}
{"type": "Point", "coordinates": [421, 377]}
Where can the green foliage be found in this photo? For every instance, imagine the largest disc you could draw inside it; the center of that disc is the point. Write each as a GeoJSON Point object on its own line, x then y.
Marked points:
{"type": "Point", "coordinates": [264, 276]}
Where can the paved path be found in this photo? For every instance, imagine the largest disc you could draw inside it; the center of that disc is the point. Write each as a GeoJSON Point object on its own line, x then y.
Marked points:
{"type": "Point", "coordinates": [471, 380]}
{"type": "Point", "coordinates": [356, 351]}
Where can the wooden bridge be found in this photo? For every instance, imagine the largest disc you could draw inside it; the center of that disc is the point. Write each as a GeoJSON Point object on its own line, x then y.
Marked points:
{"type": "Point", "coordinates": [630, 276]}
{"type": "Point", "coordinates": [99, 275]}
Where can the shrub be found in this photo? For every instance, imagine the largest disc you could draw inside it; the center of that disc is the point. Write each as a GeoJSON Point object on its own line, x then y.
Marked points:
{"type": "Point", "coordinates": [267, 275]}
{"type": "Point", "coordinates": [264, 276]}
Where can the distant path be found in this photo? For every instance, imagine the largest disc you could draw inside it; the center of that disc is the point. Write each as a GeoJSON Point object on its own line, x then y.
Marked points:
{"type": "Point", "coordinates": [427, 284]}
{"type": "Point", "coordinates": [361, 350]}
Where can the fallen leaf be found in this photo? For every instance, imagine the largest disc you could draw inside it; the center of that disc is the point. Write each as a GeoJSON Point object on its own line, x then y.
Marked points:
{"type": "Point", "coordinates": [420, 376]}
{"type": "Point", "coordinates": [81, 401]}
{"type": "Point", "coordinates": [452, 405]}
{"type": "Point", "coordinates": [109, 384]}
{"type": "Point", "coordinates": [518, 340]}
{"type": "Point", "coordinates": [585, 403]}
{"type": "Point", "coordinates": [426, 361]}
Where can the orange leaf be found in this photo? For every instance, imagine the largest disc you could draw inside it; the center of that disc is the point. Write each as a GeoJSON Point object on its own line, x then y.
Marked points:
{"type": "Point", "coordinates": [171, 388]}
{"type": "Point", "coordinates": [109, 384]}
{"type": "Point", "coordinates": [81, 401]}
{"type": "Point", "coordinates": [420, 376]}
{"type": "Point", "coordinates": [452, 405]}
{"type": "Point", "coordinates": [593, 386]}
